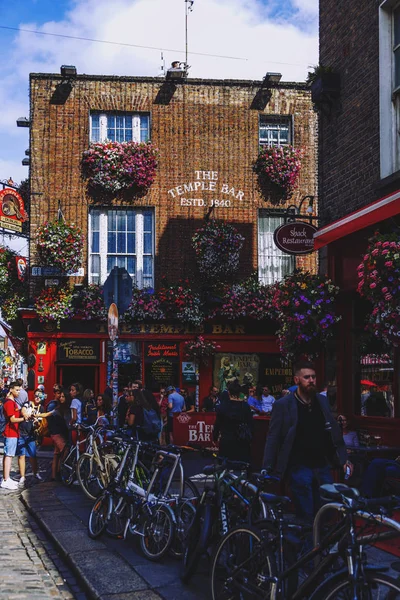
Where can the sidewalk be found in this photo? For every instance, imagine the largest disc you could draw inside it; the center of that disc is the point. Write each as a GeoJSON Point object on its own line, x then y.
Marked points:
{"type": "Point", "coordinates": [108, 569]}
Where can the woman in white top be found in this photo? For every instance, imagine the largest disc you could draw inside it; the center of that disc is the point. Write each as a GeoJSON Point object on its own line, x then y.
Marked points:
{"type": "Point", "coordinates": [75, 391]}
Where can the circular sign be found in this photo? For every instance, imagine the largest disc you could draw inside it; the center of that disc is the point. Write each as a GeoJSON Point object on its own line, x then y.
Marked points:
{"type": "Point", "coordinates": [113, 322]}
{"type": "Point", "coordinates": [295, 238]}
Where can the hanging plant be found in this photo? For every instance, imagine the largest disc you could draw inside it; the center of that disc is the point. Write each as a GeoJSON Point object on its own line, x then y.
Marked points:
{"type": "Point", "coordinates": [115, 167]}
{"type": "Point", "coordinates": [54, 304]}
{"type": "Point", "coordinates": [247, 299]}
{"type": "Point", "coordinates": [200, 350]}
{"type": "Point", "coordinates": [60, 245]}
{"type": "Point", "coordinates": [10, 306]}
{"type": "Point", "coordinates": [379, 282]}
{"type": "Point", "coordinates": [90, 304]}
{"type": "Point", "coordinates": [180, 302]}
{"type": "Point", "coordinates": [217, 246]}
{"type": "Point", "coordinates": [144, 306]}
{"type": "Point", "coordinates": [278, 169]}
{"type": "Point", "coordinates": [305, 310]}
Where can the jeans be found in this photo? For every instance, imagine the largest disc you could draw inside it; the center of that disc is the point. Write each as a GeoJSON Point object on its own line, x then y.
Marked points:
{"type": "Point", "coordinates": [375, 475]}
{"type": "Point", "coordinates": [304, 483]}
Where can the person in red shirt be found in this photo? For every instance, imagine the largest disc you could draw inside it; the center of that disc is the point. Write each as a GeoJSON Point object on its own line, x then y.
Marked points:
{"type": "Point", "coordinates": [12, 413]}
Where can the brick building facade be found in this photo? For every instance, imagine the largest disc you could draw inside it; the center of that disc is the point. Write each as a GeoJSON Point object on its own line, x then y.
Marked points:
{"type": "Point", "coordinates": [208, 135]}
{"type": "Point", "coordinates": [359, 185]}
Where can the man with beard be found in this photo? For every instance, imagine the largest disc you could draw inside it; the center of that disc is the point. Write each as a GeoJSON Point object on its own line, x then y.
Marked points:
{"type": "Point", "coordinates": [304, 441]}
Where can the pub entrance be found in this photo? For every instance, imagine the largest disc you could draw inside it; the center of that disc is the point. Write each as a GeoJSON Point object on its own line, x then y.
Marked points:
{"type": "Point", "coordinates": [86, 375]}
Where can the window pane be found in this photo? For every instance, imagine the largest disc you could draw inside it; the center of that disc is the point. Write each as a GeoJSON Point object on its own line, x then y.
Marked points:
{"type": "Point", "coordinates": [95, 242]}
{"type": "Point", "coordinates": [95, 220]}
{"type": "Point", "coordinates": [397, 68]}
{"type": "Point", "coordinates": [148, 221]}
{"type": "Point", "coordinates": [273, 264]}
{"type": "Point", "coordinates": [147, 243]}
{"type": "Point", "coordinates": [396, 26]}
{"type": "Point", "coordinates": [112, 220]}
{"type": "Point", "coordinates": [121, 220]}
{"type": "Point", "coordinates": [95, 265]}
{"type": "Point", "coordinates": [131, 265]}
{"type": "Point", "coordinates": [111, 262]}
{"type": "Point", "coordinates": [121, 238]}
{"type": "Point", "coordinates": [111, 242]}
{"type": "Point", "coordinates": [95, 120]}
{"type": "Point", "coordinates": [121, 261]}
{"type": "Point", "coordinates": [128, 135]}
{"type": "Point", "coordinates": [148, 266]}
{"type": "Point", "coordinates": [111, 135]}
{"type": "Point", "coordinates": [131, 238]}
{"type": "Point", "coordinates": [111, 121]}
{"type": "Point", "coordinates": [130, 214]}
{"type": "Point", "coordinates": [144, 128]}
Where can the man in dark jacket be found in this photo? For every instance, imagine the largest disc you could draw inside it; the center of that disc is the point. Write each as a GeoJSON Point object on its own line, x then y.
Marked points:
{"type": "Point", "coordinates": [304, 441]}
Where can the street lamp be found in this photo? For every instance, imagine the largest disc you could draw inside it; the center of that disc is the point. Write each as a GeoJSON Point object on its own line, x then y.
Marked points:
{"type": "Point", "coordinates": [293, 211]}
{"type": "Point", "coordinates": [23, 122]}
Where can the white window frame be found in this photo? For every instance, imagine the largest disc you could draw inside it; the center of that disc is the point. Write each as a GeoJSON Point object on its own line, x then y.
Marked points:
{"type": "Point", "coordinates": [103, 120]}
{"type": "Point", "coordinates": [389, 98]}
{"type": "Point", "coordinates": [103, 243]}
{"type": "Point", "coordinates": [274, 121]}
{"type": "Point", "coordinates": [273, 264]}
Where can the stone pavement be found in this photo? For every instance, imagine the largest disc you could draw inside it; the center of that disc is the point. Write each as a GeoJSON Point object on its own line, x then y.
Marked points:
{"type": "Point", "coordinates": [30, 566]}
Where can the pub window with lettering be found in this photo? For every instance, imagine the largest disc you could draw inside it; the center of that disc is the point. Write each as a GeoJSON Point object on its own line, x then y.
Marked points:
{"type": "Point", "coordinates": [119, 127]}
{"type": "Point", "coordinates": [275, 130]}
{"type": "Point", "coordinates": [122, 238]}
{"type": "Point", "coordinates": [273, 264]}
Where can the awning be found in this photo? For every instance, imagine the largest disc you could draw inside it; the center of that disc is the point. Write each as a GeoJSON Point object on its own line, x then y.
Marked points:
{"type": "Point", "coordinates": [377, 211]}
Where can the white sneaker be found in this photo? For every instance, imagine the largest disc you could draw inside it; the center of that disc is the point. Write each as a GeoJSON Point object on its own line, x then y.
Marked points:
{"type": "Point", "coordinates": [9, 484]}
{"type": "Point", "coordinates": [38, 476]}
{"type": "Point", "coordinates": [21, 481]}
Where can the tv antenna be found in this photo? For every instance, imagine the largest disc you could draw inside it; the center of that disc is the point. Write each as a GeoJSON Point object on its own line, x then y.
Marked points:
{"type": "Point", "coordinates": [188, 9]}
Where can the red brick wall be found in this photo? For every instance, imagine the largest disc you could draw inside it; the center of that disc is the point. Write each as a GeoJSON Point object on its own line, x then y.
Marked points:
{"type": "Point", "coordinates": [206, 126]}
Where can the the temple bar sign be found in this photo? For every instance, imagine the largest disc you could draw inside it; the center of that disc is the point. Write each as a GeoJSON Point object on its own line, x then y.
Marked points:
{"type": "Point", "coordinates": [206, 189]}
{"type": "Point", "coordinates": [78, 351]}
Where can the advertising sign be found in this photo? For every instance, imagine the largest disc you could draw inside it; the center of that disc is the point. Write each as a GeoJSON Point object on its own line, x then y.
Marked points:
{"type": "Point", "coordinates": [113, 322]}
{"type": "Point", "coordinates": [295, 238]}
{"type": "Point", "coordinates": [12, 210]}
{"type": "Point", "coordinates": [161, 364]}
{"type": "Point", "coordinates": [189, 372]}
{"type": "Point", "coordinates": [21, 267]}
{"type": "Point", "coordinates": [229, 367]}
{"type": "Point", "coordinates": [78, 351]}
{"type": "Point", "coordinates": [195, 428]}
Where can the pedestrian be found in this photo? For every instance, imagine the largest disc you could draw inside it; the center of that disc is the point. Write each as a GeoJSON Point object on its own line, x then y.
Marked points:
{"type": "Point", "coordinates": [75, 391]}
{"type": "Point", "coordinates": [350, 436]}
{"type": "Point", "coordinates": [163, 404]}
{"type": "Point", "coordinates": [23, 394]}
{"type": "Point", "coordinates": [267, 400]}
{"type": "Point", "coordinates": [56, 397]}
{"type": "Point", "coordinates": [255, 402]}
{"type": "Point", "coordinates": [144, 418]}
{"type": "Point", "coordinates": [189, 400]}
{"type": "Point", "coordinates": [123, 406]}
{"type": "Point", "coordinates": [210, 403]}
{"type": "Point", "coordinates": [176, 404]}
{"type": "Point", "coordinates": [103, 409]}
{"type": "Point", "coordinates": [12, 413]}
{"type": "Point", "coordinates": [34, 412]}
{"type": "Point", "coordinates": [58, 423]}
{"type": "Point", "coordinates": [233, 426]}
{"type": "Point", "coordinates": [304, 441]}
{"type": "Point", "coordinates": [89, 408]}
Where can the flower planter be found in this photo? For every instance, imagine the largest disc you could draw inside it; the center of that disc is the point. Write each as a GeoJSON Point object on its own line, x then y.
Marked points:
{"type": "Point", "coordinates": [278, 170]}
{"type": "Point", "coordinates": [217, 246]}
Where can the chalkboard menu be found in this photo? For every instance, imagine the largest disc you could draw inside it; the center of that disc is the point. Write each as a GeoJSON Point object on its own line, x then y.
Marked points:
{"type": "Point", "coordinates": [161, 361]}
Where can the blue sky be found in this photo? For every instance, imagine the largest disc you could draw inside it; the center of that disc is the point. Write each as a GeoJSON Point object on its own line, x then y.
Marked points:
{"type": "Point", "coordinates": [261, 35]}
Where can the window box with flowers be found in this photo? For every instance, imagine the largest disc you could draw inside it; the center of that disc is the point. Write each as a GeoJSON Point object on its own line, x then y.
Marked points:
{"type": "Point", "coordinates": [217, 246]}
{"type": "Point", "coordinates": [54, 304]}
{"type": "Point", "coordinates": [144, 306]}
{"type": "Point", "coordinates": [181, 303]}
{"type": "Point", "coordinates": [200, 350]}
{"type": "Point", "coordinates": [113, 168]}
{"type": "Point", "coordinates": [278, 169]}
{"type": "Point", "coordinates": [60, 245]}
{"type": "Point", "coordinates": [305, 310]}
{"type": "Point", "coordinates": [379, 282]}
{"type": "Point", "coordinates": [89, 303]}
{"type": "Point", "coordinates": [248, 299]}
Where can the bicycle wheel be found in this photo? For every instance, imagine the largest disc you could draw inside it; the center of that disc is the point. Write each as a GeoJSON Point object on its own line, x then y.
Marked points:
{"type": "Point", "coordinates": [68, 468]}
{"type": "Point", "coordinates": [240, 566]}
{"type": "Point", "coordinates": [89, 477]}
{"type": "Point", "coordinates": [197, 541]}
{"type": "Point", "coordinates": [185, 513]}
{"type": "Point", "coordinates": [373, 586]}
{"type": "Point", "coordinates": [158, 533]}
{"type": "Point", "coordinates": [98, 516]}
{"type": "Point", "coordinates": [116, 524]}
{"type": "Point", "coordinates": [190, 491]}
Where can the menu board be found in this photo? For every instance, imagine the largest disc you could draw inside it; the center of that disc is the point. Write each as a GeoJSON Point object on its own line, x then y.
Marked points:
{"type": "Point", "coordinates": [161, 362]}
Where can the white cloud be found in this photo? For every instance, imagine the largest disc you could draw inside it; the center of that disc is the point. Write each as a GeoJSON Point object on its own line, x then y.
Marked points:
{"type": "Point", "coordinates": [238, 28]}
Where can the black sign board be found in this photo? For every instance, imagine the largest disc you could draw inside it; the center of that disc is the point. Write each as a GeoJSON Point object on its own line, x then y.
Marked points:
{"type": "Point", "coordinates": [78, 351]}
{"type": "Point", "coordinates": [161, 364]}
{"type": "Point", "coordinates": [295, 237]}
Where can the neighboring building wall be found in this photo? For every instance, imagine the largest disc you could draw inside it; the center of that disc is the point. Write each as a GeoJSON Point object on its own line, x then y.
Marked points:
{"type": "Point", "coordinates": [206, 126]}
{"type": "Point", "coordinates": [349, 171]}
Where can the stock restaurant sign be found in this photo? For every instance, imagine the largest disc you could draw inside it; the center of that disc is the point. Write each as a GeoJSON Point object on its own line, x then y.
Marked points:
{"type": "Point", "coordinates": [295, 238]}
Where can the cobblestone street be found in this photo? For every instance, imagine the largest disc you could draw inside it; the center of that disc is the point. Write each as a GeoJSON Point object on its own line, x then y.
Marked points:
{"type": "Point", "coordinates": [31, 567]}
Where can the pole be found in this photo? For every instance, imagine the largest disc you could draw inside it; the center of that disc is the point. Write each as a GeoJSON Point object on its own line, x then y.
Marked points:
{"type": "Point", "coordinates": [186, 32]}
{"type": "Point", "coordinates": [197, 397]}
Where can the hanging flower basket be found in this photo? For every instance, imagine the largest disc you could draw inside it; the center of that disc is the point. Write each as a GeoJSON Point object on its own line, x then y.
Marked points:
{"type": "Point", "coordinates": [247, 299]}
{"type": "Point", "coordinates": [116, 167]}
{"type": "Point", "coordinates": [305, 310]}
{"type": "Point", "coordinates": [90, 304]}
{"type": "Point", "coordinates": [181, 303]}
{"type": "Point", "coordinates": [379, 282]}
{"type": "Point", "coordinates": [8, 272]}
{"type": "Point", "coordinates": [10, 306]}
{"type": "Point", "coordinates": [54, 304]}
{"type": "Point", "coordinates": [217, 246]}
{"type": "Point", "coordinates": [60, 245]}
{"type": "Point", "coordinates": [200, 350]}
{"type": "Point", "coordinates": [144, 306]}
{"type": "Point", "coordinates": [278, 169]}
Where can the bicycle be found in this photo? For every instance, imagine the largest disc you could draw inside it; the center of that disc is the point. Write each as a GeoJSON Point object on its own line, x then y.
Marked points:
{"type": "Point", "coordinates": [98, 464]}
{"type": "Point", "coordinates": [250, 562]}
{"type": "Point", "coordinates": [230, 499]}
{"type": "Point", "coordinates": [71, 455]}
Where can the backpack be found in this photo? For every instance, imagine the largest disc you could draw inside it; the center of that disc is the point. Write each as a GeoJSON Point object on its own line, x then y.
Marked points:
{"type": "Point", "coordinates": [3, 420]}
{"type": "Point", "coordinates": [151, 422]}
{"type": "Point", "coordinates": [41, 430]}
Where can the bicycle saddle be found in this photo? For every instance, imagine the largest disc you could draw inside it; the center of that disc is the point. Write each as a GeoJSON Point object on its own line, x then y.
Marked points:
{"type": "Point", "coordinates": [213, 469]}
{"type": "Point", "coordinates": [273, 499]}
{"type": "Point", "coordinates": [336, 491]}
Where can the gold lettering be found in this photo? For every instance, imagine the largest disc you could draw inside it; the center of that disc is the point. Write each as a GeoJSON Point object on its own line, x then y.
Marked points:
{"type": "Point", "coordinates": [239, 329]}
{"type": "Point", "coordinates": [217, 329]}
{"type": "Point", "coordinates": [166, 328]}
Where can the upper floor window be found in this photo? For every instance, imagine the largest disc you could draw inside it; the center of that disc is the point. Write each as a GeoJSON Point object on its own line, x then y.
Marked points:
{"type": "Point", "coordinates": [275, 131]}
{"type": "Point", "coordinates": [273, 264]}
{"type": "Point", "coordinates": [122, 238]}
{"type": "Point", "coordinates": [119, 127]}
